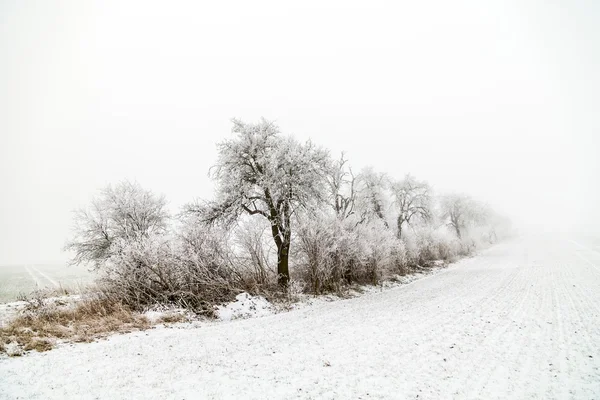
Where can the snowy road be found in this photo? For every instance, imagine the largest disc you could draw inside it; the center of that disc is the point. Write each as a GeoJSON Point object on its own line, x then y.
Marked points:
{"type": "Point", "coordinates": [522, 320]}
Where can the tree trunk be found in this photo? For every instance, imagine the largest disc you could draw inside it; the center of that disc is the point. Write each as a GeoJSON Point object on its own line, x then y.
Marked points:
{"type": "Point", "coordinates": [455, 221]}
{"type": "Point", "coordinates": [283, 272]}
{"type": "Point", "coordinates": [399, 228]}
{"type": "Point", "coordinates": [457, 231]}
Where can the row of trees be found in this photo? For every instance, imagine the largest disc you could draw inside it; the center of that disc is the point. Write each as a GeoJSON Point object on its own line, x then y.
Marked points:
{"type": "Point", "coordinates": [272, 188]}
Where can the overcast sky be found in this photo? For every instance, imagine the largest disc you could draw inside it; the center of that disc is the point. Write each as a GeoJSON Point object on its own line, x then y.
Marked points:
{"type": "Point", "coordinates": [499, 99]}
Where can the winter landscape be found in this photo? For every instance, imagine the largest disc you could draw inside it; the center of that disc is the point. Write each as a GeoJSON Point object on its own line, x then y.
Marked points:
{"type": "Point", "coordinates": [321, 200]}
{"type": "Point", "coordinates": [517, 321]}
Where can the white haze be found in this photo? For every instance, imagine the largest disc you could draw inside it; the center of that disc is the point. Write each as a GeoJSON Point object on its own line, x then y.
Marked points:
{"type": "Point", "coordinates": [497, 98]}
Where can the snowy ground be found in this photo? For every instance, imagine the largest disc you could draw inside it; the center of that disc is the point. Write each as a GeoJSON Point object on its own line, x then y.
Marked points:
{"type": "Point", "coordinates": [522, 320]}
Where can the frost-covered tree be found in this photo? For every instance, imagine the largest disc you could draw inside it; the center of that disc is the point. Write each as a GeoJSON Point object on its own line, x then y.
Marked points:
{"type": "Point", "coordinates": [120, 214]}
{"type": "Point", "coordinates": [412, 199]}
{"type": "Point", "coordinates": [342, 189]}
{"type": "Point", "coordinates": [263, 173]}
{"type": "Point", "coordinates": [460, 211]}
{"type": "Point", "coordinates": [371, 195]}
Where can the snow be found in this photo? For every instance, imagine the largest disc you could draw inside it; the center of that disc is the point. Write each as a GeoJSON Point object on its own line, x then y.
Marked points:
{"type": "Point", "coordinates": [245, 306]}
{"type": "Point", "coordinates": [9, 311]}
{"type": "Point", "coordinates": [522, 320]}
{"type": "Point", "coordinates": [13, 349]}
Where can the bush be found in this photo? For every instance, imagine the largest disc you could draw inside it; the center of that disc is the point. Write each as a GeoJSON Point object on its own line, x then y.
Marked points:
{"type": "Point", "coordinates": [333, 253]}
{"type": "Point", "coordinates": [156, 270]}
{"type": "Point", "coordinates": [425, 245]}
{"type": "Point", "coordinates": [320, 261]}
{"type": "Point", "coordinates": [255, 255]}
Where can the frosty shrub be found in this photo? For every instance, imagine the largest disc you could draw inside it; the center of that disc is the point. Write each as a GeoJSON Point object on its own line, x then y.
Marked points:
{"type": "Point", "coordinates": [160, 270]}
{"type": "Point", "coordinates": [426, 244]}
{"type": "Point", "coordinates": [334, 253]}
{"type": "Point", "coordinates": [255, 255]}
{"type": "Point", "coordinates": [319, 255]}
{"type": "Point", "coordinates": [400, 260]}
{"type": "Point", "coordinates": [375, 245]}
{"type": "Point", "coordinates": [124, 237]}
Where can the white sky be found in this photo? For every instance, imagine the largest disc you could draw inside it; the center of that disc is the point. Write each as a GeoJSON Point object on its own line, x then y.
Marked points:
{"type": "Point", "coordinates": [499, 99]}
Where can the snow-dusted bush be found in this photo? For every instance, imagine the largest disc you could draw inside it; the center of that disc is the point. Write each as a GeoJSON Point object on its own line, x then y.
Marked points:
{"type": "Point", "coordinates": [189, 273]}
{"type": "Point", "coordinates": [254, 253]}
{"type": "Point", "coordinates": [375, 244]}
{"type": "Point", "coordinates": [333, 252]}
{"type": "Point", "coordinates": [124, 236]}
{"type": "Point", "coordinates": [426, 244]}
{"type": "Point", "coordinates": [400, 259]}
{"type": "Point", "coordinates": [321, 251]}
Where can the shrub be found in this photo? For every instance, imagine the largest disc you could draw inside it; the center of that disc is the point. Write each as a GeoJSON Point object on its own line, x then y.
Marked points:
{"type": "Point", "coordinates": [255, 255]}
{"type": "Point", "coordinates": [319, 255]}
{"type": "Point", "coordinates": [156, 270]}
{"type": "Point", "coordinates": [333, 253]}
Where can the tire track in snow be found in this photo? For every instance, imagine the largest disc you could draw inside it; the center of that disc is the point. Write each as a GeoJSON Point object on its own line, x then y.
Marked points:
{"type": "Point", "coordinates": [33, 277]}
{"type": "Point", "coordinates": [52, 281]}
{"type": "Point", "coordinates": [499, 332]}
{"type": "Point", "coordinates": [585, 247]}
{"type": "Point", "coordinates": [582, 341]}
{"type": "Point", "coordinates": [587, 261]}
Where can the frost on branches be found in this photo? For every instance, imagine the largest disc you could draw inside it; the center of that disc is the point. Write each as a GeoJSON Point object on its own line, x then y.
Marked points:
{"type": "Point", "coordinates": [262, 173]}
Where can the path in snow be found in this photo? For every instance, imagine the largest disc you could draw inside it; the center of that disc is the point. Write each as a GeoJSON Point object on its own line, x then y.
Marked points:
{"type": "Point", "coordinates": [52, 281]}
{"type": "Point", "coordinates": [35, 275]}
{"type": "Point", "coordinates": [522, 320]}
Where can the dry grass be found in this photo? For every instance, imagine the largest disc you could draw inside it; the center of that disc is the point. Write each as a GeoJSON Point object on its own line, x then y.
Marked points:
{"type": "Point", "coordinates": [43, 323]}
{"type": "Point", "coordinates": [171, 318]}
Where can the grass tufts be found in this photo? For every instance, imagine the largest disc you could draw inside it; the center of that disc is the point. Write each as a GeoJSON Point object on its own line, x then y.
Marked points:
{"type": "Point", "coordinates": [43, 323]}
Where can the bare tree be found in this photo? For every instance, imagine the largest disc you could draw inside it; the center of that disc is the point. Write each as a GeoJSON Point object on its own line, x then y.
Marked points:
{"type": "Point", "coordinates": [461, 211]}
{"type": "Point", "coordinates": [123, 213]}
{"type": "Point", "coordinates": [342, 187]}
{"type": "Point", "coordinates": [262, 173]}
{"type": "Point", "coordinates": [371, 195]}
{"type": "Point", "coordinates": [412, 199]}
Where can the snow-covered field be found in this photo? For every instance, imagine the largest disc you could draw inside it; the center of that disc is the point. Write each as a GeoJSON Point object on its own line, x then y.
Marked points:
{"type": "Point", "coordinates": [23, 279]}
{"type": "Point", "coordinates": [522, 320]}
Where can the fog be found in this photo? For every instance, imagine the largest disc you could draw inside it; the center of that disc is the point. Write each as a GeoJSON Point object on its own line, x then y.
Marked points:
{"type": "Point", "coordinates": [496, 99]}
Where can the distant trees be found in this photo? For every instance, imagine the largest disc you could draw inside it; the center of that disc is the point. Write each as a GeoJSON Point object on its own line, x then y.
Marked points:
{"type": "Point", "coordinates": [262, 173]}
{"type": "Point", "coordinates": [412, 199]}
{"type": "Point", "coordinates": [461, 211]}
{"type": "Point", "coordinates": [119, 214]}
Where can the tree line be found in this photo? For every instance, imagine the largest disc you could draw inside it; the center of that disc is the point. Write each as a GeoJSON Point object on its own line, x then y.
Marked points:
{"type": "Point", "coordinates": [283, 210]}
